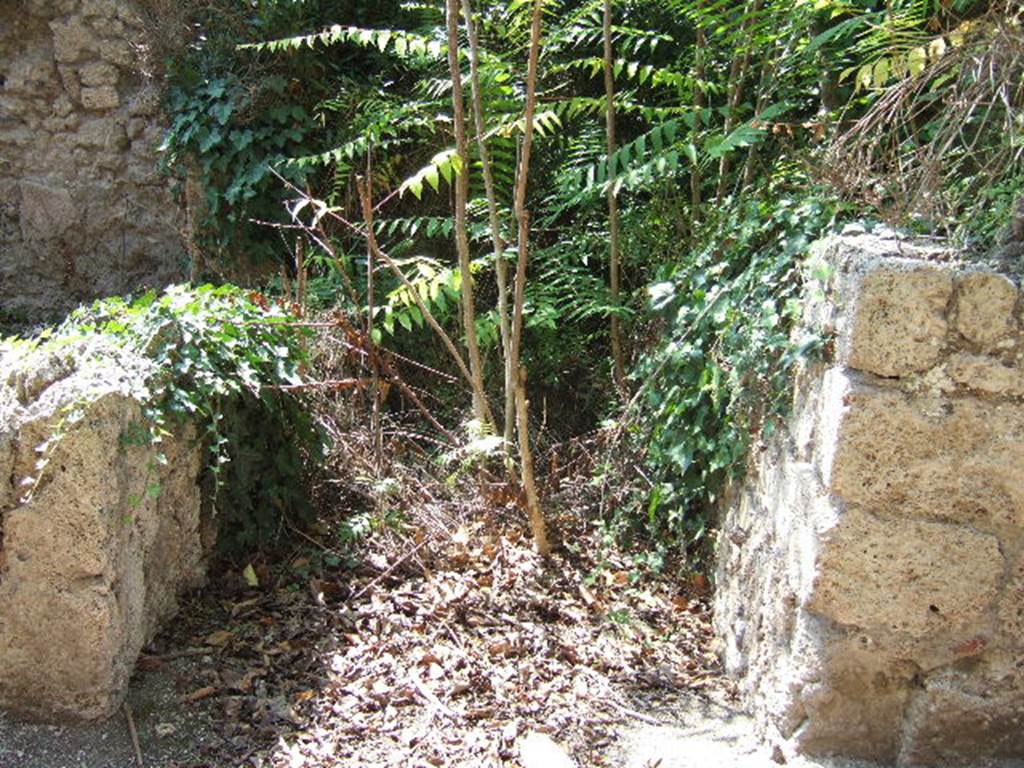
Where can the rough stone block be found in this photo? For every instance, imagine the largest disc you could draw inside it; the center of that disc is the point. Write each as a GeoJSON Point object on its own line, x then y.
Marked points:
{"type": "Point", "coordinates": [95, 133]}
{"type": "Point", "coordinates": [897, 575]}
{"type": "Point", "coordinates": [106, 9]}
{"type": "Point", "coordinates": [71, 39]}
{"type": "Point", "coordinates": [851, 696]}
{"type": "Point", "coordinates": [900, 325]}
{"type": "Point", "coordinates": [98, 74]}
{"type": "Point", "coordinates": [46, 212]}
{"type": "Point", "coordinates": [91, 559]}
{"type": "Point", "coordinates": [986, 374]}
{"type": "Point", "coordinates": [976, 712]}
{"type": "Point", "coordinates": [101, 98]}
{"type": "Point", "coordinates": [72, 85]}
{"type": "Point", "coordinates": [871, 577]}
{"type": "Point", "coordinates": [985, 306]}
{"type": "Point", "coordinates": [118, 52]}
{"type": "Point", "coordinates": [935, 458]}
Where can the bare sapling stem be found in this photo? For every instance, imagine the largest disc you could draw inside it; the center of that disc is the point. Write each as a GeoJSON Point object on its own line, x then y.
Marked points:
{"type": "Point", "coordinates": [366, 194]}
{"type": "Point", "coordinates": [498, 243]}
{"type": "Point", "coordinates": [537, 522]}
{"type": "Point", "coordinates": [481, 409]}
{"type": "Point", "coordinates": [614, 223]}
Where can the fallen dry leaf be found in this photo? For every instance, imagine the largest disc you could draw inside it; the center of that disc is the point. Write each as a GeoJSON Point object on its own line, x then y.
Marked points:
{"type": "Point", "coordinates": [219, 638]}
{"type": "Point", "coordinates": [198, 695]}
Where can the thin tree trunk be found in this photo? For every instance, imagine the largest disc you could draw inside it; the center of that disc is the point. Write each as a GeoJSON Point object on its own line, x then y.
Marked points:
{"type": "Point", "coordinates": [700, 102]}
{"type": "Point", "coordinates": [301, 274]}
{"type": "Point", "coordinates": [737, 77]}
{"type": "Point", "coordinates": [614, 224]}
{"type": "Point", "coordinates": [764, 91]}
{"type": "Point", "coordinates": [481, 408]}
{"type": "Point", "coordinates": [537, 522]}
{"type": "Point", "coordinates": [286, 285]}
{"type": "Point", "coordinates": [828, 80]}
{"type": "Point", "coordinates": [498, 243]}
{"type": "Point", "coordinates": [366, 194]}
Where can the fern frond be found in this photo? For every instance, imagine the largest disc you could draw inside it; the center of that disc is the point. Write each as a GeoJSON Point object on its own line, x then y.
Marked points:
{"type": "Point", "coordinates": [643, 74]}
{"type": "Point", "coordinates": [399, 42]}
{"type": "Point", "coordinates": [443, 165]}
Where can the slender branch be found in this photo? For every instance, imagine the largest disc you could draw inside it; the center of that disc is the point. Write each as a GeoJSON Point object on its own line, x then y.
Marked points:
{"type": "Point", "coordinates": [614, 224]}
{"type": "Point", "coordinates": [134, 734]}
{"type": "Point", "coordinates": [500, 262]}
{"type": "Point", "coordinates": [481, 408]}
{"type": "Point", "coordinates": [301, 275]}
{"type": "Point", "coordinates": [382, 362]}
{"type": "Point", "coordinates": [366, 192]}
{"type": "Point", "coordinates": [382, 255]}
{"type": "Point", "coordinates": [537, 523]}
{"type": "Point", "coordinates": [700, 102]}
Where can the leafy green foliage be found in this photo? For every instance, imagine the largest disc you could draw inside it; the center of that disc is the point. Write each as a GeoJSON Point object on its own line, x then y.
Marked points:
{"type": "Point", "coordinates": [720, 379]}
{"type": "Point", "coordinates": [232, 143]}
{"type": "Point", "coordinates": [728, 114]}
{"type": "Point", "coordinates": [399, 42]}
{"type": "Point", "coordinates": [220, 357]}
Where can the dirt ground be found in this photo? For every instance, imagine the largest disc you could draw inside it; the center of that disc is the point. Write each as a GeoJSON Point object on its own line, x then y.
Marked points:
{"type": "Point", "coordinates": [432, 651]}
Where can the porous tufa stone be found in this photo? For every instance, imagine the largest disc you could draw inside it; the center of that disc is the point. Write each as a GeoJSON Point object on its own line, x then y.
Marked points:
{"type": "Point", "coordinates": [870, 576]}
{"type": "Point", "coordinates": [985, 307]}
{"type": "Point", "coordinates": [92, 560]}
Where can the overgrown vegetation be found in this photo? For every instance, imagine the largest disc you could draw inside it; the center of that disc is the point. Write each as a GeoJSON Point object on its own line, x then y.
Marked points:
{"type": "Point", "coordinates": [456, 227]}
{"type": "Point", "coordinates": [722, 379]}
{"type": "Point", "coordinates": [221, 360]}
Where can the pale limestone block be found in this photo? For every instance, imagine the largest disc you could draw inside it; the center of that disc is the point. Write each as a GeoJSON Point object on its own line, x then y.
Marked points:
{"type": "Point", "coordinates": [898, 576]}
{"type": "Point", "coordinates": [90, 557]}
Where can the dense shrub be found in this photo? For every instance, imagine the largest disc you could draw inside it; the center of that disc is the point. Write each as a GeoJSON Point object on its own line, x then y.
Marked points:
{"type": "Point", "coordinates": [728, 119]}
{"type": "Point", "coordinates": [223, 359]}
{"type": "Point", "coordinates": [718, 381]}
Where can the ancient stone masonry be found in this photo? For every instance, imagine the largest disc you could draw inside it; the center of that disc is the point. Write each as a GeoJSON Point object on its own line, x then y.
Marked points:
{"type": "Point", "coordinates": [84, 211]}
{"type": "Point", "coordinates": [100, 531]}
{"type": "Point", "coordinates": [871, 572]}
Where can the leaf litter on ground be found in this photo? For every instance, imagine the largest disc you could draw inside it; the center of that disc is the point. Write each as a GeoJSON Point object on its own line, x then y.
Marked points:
{"type": "Point", "coordinates": [441, 648]}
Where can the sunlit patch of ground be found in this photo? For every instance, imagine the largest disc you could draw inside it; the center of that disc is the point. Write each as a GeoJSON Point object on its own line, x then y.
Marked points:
{"type": "Point", "coordinates": [442, 649]}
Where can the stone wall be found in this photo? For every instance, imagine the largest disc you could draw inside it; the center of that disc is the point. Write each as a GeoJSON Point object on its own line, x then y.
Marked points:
{"type": "Point", "coordinates": [99, 533]}
{"type": "Point", "coordinates": [84, 211]}
{"type": "Point", "coordinates": [871, 571]}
